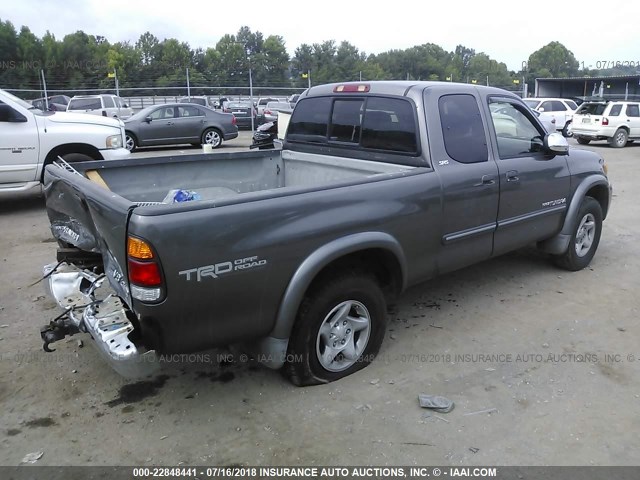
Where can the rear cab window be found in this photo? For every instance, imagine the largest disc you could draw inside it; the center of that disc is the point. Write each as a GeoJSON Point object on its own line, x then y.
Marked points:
{"type": "Point", "coordinates": [366, 123]}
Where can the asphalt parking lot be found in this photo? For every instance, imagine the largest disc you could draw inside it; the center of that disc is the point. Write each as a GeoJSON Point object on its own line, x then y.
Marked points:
{"type": "Point", "coordinates": [543, 366]}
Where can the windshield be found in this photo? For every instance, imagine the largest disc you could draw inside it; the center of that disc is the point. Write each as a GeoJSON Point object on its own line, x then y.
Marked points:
{"type": "Point", "coordinates": [19, 101]}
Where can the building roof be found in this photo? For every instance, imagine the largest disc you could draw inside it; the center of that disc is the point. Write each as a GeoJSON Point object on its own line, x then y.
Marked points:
{"type": "Point", "coordinates": [610, 77]}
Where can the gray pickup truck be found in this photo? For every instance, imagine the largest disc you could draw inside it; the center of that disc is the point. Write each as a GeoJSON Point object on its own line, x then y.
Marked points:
{"type": "Point", "coordinates": [293, 254]}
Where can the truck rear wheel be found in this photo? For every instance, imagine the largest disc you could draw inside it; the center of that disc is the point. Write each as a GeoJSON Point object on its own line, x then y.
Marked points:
{"type": "Point", "coordinates": [585, 239]}
{"type": "Point", "coordinates": [76, 157]}
{"type": "Point", "coordinates": [338, 331]}
{"type": "Point", "coordinates": [583, 141]}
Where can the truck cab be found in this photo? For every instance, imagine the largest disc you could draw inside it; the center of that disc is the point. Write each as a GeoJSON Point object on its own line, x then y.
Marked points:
{"type": "Point", "coordinates": [31, 138]}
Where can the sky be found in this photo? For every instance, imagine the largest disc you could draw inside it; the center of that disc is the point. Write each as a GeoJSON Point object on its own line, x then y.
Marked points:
{"type": "Point", "coordinates": [508, 31]}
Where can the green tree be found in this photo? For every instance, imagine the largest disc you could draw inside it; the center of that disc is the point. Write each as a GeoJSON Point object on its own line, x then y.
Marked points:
{"type": "Point", "coordinates": [552, 60]}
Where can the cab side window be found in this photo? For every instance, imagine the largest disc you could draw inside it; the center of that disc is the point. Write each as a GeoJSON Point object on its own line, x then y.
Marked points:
{"type": "Point", "coordinates": [108, 102]}
{"type": "Point", "coordinates": [462, 129]}
{"type": "Point", "coordinates": [633, 111]}
{"type": "Point", "coordinates": [516, 133]}
{"type": "Point", "coordinates": [166, 112]}
{"type": "Point", "coordinates": [615, 111]}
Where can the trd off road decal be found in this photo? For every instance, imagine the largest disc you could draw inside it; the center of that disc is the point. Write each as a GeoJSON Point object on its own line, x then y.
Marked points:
{"type": "Point", "coordinates": [554, 203]}
{"type": "Point", "coordinates": [214, 271]}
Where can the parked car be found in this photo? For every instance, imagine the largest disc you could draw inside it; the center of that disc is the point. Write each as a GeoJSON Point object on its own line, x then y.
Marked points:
{"type": "Point", "coordinates": [270, 112]}
{"type": "Point", "coordinates": [561, 110]}
{"type": "Point", "coordinates": [549, 124]}
{"type": "Point", "coordinates": [200, 100]}
{"type": "Point", "coordinates": [105, 105]}
{"type": "Point", "coordinates": [178, 123]}
{"type": "Point", "coordinates": [243, 111]}
{"type": "Point", "coordinates": [262, 103]}
{"type": "Point", "coordinates": [55, 103]}
{"type": "Point", "coordinates": [616, 122]}
{"type": "Point", "coordinates": [293, 254]}
{"type": "Point", "coordinates": [30, 139]}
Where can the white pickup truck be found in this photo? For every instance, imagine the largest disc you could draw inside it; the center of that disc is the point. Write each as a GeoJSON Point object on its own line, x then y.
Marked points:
{"type": "Point", "coordinates": [30, 139]}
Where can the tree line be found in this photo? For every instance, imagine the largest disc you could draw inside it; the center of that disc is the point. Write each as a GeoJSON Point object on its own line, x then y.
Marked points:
{"type": "Point", "coordinates": [81, 61]}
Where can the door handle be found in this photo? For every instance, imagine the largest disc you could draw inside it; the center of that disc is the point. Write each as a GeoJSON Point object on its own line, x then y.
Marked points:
{"type": "Point", "coordinates": [486, 180]}
{"type": "Point", "coordinates": [512, 176]}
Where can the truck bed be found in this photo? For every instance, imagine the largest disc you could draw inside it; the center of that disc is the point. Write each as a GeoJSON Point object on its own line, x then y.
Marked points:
{"type": "Point", "coordinates": [218, 176]}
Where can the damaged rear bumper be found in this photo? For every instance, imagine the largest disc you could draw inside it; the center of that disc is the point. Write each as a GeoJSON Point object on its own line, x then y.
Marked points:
{"type": "Point", "coordinates": [90, 306]}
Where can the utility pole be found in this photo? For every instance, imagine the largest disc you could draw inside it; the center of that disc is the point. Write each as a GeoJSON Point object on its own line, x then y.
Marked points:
{"type": "Point", "coordinates": [44, 86]}
{"type": "Point", "coordinates": [188, 87]}
{"type": "Point", "coordinates": [115, 74]}
{"type": "Point", "coordinates": [309, 77]}
{"type": "Point", "coordinates": [251, 95]}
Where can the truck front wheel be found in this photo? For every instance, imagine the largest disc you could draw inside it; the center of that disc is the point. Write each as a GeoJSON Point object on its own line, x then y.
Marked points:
{"type": "Point", "coordinates": [338, 331]}
{"type": "Point", "coordinates": [586, 237]}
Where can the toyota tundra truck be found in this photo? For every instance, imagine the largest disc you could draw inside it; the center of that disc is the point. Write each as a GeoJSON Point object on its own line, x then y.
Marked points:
{"type": "Point", "coordinates": [293, 254]}
{"type": "Point", "coordinates": [30, 139]}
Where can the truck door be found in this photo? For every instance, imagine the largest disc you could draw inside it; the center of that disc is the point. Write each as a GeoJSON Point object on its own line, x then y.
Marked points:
{"type": "Point", "coordinates": [18, 145]}
{"type": "Point", "coordinates": [469, 178]}
{"type": "Point", "coordinates": [534, 185]}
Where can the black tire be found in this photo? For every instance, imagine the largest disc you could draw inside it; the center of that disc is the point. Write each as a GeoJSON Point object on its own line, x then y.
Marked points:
{"type": "Point", "coordinates": [566, 131]}
{"type": "Point", "coordinates": [76, 157]}
{"type": "Point", "coordinates": [583, 141]}
{"type": "Point", "coordinates": [589, 212]}
{"type": "Point", "coordinates": [355, 295]}
{"type": "Point", "coordinates": [619, 138]}
{"type": "Point", "coordinates": [213, 137]}
{"type": "Point", "coordinates": [130, 141]}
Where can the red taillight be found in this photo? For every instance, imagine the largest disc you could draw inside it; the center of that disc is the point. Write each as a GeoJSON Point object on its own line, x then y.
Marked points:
{"type": "Point", "coordinates": [144, 274]}
{"type": "Point", "coordinates": [144, 269]}
{"type": "Point", "coordinates": [351, 88]}
{"type": "Point", "coordinates": [605, 121]}
{"type": "Point", "coordinates": [267, 112]}
{"type": "Point", "coordinates": [233, 120]}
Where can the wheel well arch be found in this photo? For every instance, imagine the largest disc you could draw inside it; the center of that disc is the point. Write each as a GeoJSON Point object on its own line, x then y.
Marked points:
{"type": "Point", "coordinates": [601, 194]}
{"type": "Point", "coordinates": [211, 127]}
{"type": "Point", "coordinates": [377, 262]}
{"type": "Point", "coordinates": [376, 253]}
{"type": "Point", "coordinates": [68, 148]}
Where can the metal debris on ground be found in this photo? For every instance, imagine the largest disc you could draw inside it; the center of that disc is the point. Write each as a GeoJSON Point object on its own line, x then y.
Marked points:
{"type": "Point", "coordinates": [488, 410]}
{"type": "Point", "coordinates": [436, 403]}
{"type": "Point", "coordinates": [32, 457]}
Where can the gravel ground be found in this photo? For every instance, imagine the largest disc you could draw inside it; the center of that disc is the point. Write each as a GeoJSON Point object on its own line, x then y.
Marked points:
{"type": "Point", "coordinates": [542, 364]}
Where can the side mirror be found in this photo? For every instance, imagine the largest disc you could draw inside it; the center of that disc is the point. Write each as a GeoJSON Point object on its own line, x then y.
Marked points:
{"type": "Point", "coordinates": [556, 143]}
{"type": "Point", "coordinates": [540, 109]}
{"type": "Point", "coordinates": [147, 119]}
{"type": "Point", "coordinates": [8, 114]}
{"type": "Point", "coordinates": [125, 105]}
